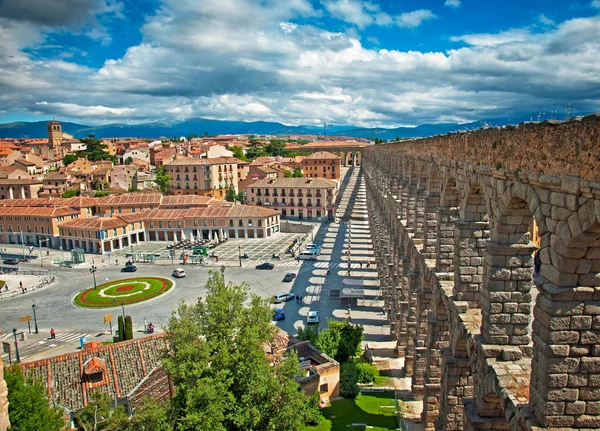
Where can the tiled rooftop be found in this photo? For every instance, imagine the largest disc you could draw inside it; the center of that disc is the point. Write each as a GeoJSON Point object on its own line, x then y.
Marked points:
{"type": "Point", "coordinates": [295, 183]}
{"type": "Point", "coordinates": [37, 211]}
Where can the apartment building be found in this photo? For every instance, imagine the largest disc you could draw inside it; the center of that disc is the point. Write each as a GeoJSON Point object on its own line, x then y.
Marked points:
{"type": "Point", "coordinates": [301, 198]}
{"type": "Point", "coordinates": [322, 164]}
{"type": "Point", "coordinates": [209, 177]}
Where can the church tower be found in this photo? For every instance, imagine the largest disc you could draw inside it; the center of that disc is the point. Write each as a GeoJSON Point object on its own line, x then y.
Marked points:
{"type": "Point", "coordinates": [54, 134]}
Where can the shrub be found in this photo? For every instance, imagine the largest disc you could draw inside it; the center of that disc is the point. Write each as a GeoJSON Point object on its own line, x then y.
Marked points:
{"type": "Point", "coordinates": [128, 328]}
{"type": "Point", "coordinates": [366, 373]}
{"type": "Point", "coordinates": [348, 380]}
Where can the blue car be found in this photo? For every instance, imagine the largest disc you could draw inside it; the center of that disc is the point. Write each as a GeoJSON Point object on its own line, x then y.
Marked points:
{"type": "Point", "coordinates": [129, 268]}
{"type": "Point", "coordinates": [278, 314]}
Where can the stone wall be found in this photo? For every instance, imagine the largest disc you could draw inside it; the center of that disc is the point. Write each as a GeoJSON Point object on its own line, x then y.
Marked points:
{"type": "Point", "coordinates": [492, 339]}
{"type": "Point", "coordinates": [551, 147]}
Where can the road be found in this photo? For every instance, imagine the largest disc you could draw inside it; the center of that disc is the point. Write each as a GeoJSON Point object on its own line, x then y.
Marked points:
{"type": "Point", "coordinates": [54, 307]}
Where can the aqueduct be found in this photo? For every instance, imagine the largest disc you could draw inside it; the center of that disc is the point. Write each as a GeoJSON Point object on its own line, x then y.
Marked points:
{"type": "Point", "coordinates": [493, 336]}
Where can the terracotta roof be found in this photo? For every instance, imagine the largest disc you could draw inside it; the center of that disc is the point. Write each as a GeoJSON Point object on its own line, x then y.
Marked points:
{"type": "Point", "coordinates": [55, 176]}
{"type": "Point", "coordinates": [322, 155]}
{"type": "Point", "coordinates": [295, 183]}
{"type": "Point", "coordinates": [98, 223]}
{"type": "Point", "coordinates": [183, 200]}
{"type": "Point", "coordinates": [251, 211]}
{"type": "Point", "coordinates": [19, 182]}
{"type": "Point", "coordinates": [122, 368]}
{"type": "Point", "coordinates": [131, 199]}
{"type": "Point", "coordinates": [24, 162]}
{"type": "Point", "coordinates": [159, 214]}
{"type": "Point", "coordinates": [38, 211]}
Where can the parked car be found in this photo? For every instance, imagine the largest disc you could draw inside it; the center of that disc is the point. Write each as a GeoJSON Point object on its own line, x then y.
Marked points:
{"type": "Point", "coordinates": [265, 265]}
{"type": "Point", "coordinates": [129, 268]}
{"type": "Point", "coordinates": [312, 318]}
{"type": "Point", "coordinates": [283, 297]}
{"type": "Point", "coordinates": [10, 261]}
{"type": "Point", "coordinates": [278, 314]}
{"type": "Point", "coordinates": [179, 273]}
{"type": "Point", "coordinates": [308, 255]}
{"type": "Point", "coordinates": [289, 277]}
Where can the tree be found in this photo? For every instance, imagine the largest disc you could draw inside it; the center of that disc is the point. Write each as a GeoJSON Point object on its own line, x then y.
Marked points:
{"type": "Point", "coordinates": [241, 197]}
{"type": "Point", "coordinates": [129, 160]}
{"type": "Point", "coordinates": [95, 150]}
{"type": "Point", "coordinates": [163, 180]}
{"type": "Point", "coordinates": [298, 173]}
{"type": "Point", "coordinates": [68, 159]}
{"type": "Point", "coordinates": [303, 141]}
{"type": "Point", "coordinates": [121, 328]}
{"type": "Point", "coordinates": [28, 405]}
{"type": "Point", "coordinates": [128, 328]}
{"type": "Point", "coordinates": [71, 193]}
{"type": "Point", "coordinates": [238, 152]}
{"type": "Point", "coordinates": [150, 417]}
{"type": "Point", "coordinates": [99, 415]}
{"type": "Point", "coordinates": [287, 173]}
{"type": "Point", "coordinates": [231, 194]}
{"type": "Point", "coordinates": [222, 377]}
{"type": "Point", "coordinates": [276, 147]}
{"type": "Point", "coordinates": [341, 340]}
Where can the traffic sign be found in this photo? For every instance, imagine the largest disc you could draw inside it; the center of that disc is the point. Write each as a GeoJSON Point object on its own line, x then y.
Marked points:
{"type": "Point", "coordinates": [25, 319]}
{"type": "Point", "coordinates": [6, 347]}
{"type": "Point", "coordinates": [108, 318]}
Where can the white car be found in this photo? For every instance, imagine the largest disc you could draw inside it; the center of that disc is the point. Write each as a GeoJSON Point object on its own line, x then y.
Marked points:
{"type": "Point", "coordinates": [312, 318]}
{"type": "Point", "coordinates": [179, 273]}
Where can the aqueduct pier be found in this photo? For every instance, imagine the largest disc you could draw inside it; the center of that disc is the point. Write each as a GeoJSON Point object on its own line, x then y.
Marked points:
{"type": "Point", "coordinates": [494, 336]}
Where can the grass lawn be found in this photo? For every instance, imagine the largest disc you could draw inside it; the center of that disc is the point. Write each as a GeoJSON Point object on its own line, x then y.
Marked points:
{"type": "Point", "coordinates": [365, 409]}
{"type": "Point", "coordinates": [127, 291]}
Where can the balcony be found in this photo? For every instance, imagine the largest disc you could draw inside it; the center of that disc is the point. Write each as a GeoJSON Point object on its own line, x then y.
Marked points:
{"type": "Point", "coordinates": [308, 194]}
{"type": "Point", "coordinates": [300, 194]}
{"type": "Point", "coordinates": [318, 194]}
{"type": "Point", "coordinates": [292, 194]}
{"type": "Point", "coordinates": [309, 204]}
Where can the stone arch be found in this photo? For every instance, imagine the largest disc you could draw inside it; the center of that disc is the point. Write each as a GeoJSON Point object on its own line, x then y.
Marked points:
{"type": "Point", "coordinates": [449, 195]}
{"type": "Point", "coordinates": [358, 158]}
{"type": "Point", "coordinates": [508, 273]}
{"type": "Point", "coordinates": [447, 216]}
{"type": "Point", "coordinates": [434, 180]}
{"type": "Point", "coordinates": [470, 236]}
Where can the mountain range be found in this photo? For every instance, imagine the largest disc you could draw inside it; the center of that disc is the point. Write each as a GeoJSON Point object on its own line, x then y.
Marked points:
{"type": "Point", "coordinates": [200, 126]}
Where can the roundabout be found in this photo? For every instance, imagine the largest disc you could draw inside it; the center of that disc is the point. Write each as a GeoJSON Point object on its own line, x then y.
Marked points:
{"type": "Point", "coordinates": [127, 291]}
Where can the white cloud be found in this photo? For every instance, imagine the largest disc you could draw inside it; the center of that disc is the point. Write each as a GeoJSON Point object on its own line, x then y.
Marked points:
{"type": "Point", "coordinates": [414, 19]}
{"type": "Point", "coordinates": [452, 3]}
{"type": "Point", "coordinates": [359, 13]}
{"type": "Point", "coordinates": [207, 59]}
{"type": "Point", "coordinates": [595, 3]}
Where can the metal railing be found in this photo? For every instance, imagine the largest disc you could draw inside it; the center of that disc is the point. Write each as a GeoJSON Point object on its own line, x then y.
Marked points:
{"type": "Point", "coordinates": [45, 281]}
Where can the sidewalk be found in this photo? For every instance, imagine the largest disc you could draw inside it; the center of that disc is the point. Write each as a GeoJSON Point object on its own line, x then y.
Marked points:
{"type": "Point", "coordinates": [30, 283]}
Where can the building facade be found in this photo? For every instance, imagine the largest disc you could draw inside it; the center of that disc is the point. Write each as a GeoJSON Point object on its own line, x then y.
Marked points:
{"type": "Point", "coordinates": [322, 164]}
{"type": "Point", "coordinates": [301, 198]}
{"type": "Point", "coordinates": [210, 177]}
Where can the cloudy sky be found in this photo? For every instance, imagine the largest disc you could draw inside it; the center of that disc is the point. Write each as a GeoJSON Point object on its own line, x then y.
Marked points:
{"type": "Point", "coordinates": [363, 63]}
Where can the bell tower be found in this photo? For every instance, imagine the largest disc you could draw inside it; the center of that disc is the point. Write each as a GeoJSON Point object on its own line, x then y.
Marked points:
{"type": "Point", "coordinates": [54, 134]}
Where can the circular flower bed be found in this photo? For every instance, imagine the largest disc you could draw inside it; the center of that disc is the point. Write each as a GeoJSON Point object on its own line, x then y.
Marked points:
{"type": "Point", "coordinates": [127, 291]}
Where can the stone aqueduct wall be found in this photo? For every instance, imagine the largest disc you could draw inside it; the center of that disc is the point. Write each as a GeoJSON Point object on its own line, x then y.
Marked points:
{"type": "Point", "coordinates": [456, 265]}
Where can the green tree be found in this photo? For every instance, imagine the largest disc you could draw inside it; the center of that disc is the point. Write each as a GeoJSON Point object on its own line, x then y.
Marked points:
{"type": "Point", "coordinates": [121, 328]}
{"type": "Point", "coordinates": [28, 405]}
{"type": "Point", "coordinates": [255, 152]}
{"type": "Point", "coordinates": [128, 328]}
{"type": "Point", "coordinates": [231, 194]}
{"type": "Point", "coordinates": [150, 417]}
{"type": "Point", "coordinates": [95, 150]}
{"type": "Point", "coordinates": [276, 147]}
{"type": "Point", "coordinates": [71, 193]}
{"type": "Point", "coordinates": [241, 197]}
{"type": "Point", "coordinates": [341, 339]}
{"type": "Point", "coordinates": [99, 415]}
{"type": "Point", "coordinates": [298, 173]}
{"type": "Point", "coordinates": [238, 152]}
{"type": "Point", "coordinates": [163, 180]}
{"type": "Point", "coordinates": [68, 159]}
{"type": "Point", "coordinates": [222, 377]}
{"type": "Point", "coordinates": [303, 141]}
{"type": "Point", "coordinates": [129, 160]}
{"type": "Point", "coordinates": [287, 173]}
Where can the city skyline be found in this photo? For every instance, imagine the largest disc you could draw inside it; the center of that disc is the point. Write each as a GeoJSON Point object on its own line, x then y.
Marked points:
{"type": "Point", "coordinates": [348, 62]}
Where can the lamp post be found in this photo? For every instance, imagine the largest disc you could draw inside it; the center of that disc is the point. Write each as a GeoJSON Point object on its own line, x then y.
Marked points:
{"type": "Point", "coordinates": [93, 270]}
{"type": "Point", "coordinates": [16, 344]}
{"type": "Point", "coordinates": [123, 310]}
{"type": "Point", "coordinates": [35, 319]}
{"type": "Point", "coordinates": [41, 241]}
{"type": "Point", "coordinates": [240, 254]}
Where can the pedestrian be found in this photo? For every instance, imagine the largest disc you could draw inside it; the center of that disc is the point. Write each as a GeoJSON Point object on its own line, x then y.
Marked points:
{"type": "Point", "coordinates": [368, 264]}
{"type": "Point", "coordinates": [217, 259]}
{"type": "Point", "coordinates": [328, 271]}
{"type": "Point", "coordinates": [52, 334]}
{"type": "Point", "coordinates": [360, 264]}
{"type": "Point", "coordinates": [6, 287]}
{"type": "Point", "coordinates": [297, 299]}
{"type": "Point", "coordinates": [21, 285]}
{"type": "Point", "coordinates": [301, 298]}
{"type": "Point", "coordinates": [117, 262]}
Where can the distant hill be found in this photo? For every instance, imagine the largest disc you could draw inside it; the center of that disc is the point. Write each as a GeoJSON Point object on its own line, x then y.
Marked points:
{"type": "Point", "coordinates": [212, 127]}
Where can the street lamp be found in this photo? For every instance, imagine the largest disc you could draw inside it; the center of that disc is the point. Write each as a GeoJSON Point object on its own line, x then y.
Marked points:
{"type": "Point", "coordinates": [41, 241]}
{"type": "Point", "coordinates": [240, 254]}
{"type": "Point", "coordinates": [123, 310]}
{"type": "Point", "coordinates": [35, 319]}
{"type": "Point", "coordinates": [93, 270]}
{"type": "Point", "coordinates": [16, 344]}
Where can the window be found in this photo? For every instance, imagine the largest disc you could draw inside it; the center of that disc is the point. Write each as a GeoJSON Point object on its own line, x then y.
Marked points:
{"type": "Point", "coordinates": [214, 222]}
{"type": "Point", "coordinates": [114, 232]}
{"type": "Point", "coordinates": [259, 222]}
{"type": "Point", "coordinates": [204, 222]}
{"type": "Point", "coordinates": [195, 222]}
{"type": "Point", "coordinates": [151, 224]}
{"type": "Point", "coordinates": [179, 224]}
{"type": "Point", "coordinates": [160, 224]}
{"type": "Point", "coordinates": [230, 223]}
{"type": "Point", "coordinates": [169, 224]}
{"type": "Point", "coordinates": [240, 223]}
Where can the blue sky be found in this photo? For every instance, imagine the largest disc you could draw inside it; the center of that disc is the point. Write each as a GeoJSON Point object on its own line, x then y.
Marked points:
{"type": "Point", "coordinates": [349, 62]}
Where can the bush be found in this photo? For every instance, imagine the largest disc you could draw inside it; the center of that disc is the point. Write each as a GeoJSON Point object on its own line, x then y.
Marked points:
{"type": "Point", "coordinates": [128, 328]}
{"type": "Point", "coordinates": [348, 380]}
{"type": "Point", "coordinates": [366, 373]}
